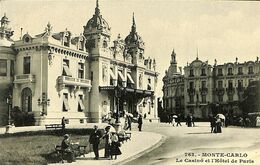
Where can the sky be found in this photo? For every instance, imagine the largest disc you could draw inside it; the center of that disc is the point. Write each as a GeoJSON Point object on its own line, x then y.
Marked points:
{"type": "Point", "coordinates": [221, 30]}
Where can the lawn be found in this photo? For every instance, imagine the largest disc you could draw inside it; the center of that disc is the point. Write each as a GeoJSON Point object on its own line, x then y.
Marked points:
{"type": "Point", "coordinates": [37, 147]}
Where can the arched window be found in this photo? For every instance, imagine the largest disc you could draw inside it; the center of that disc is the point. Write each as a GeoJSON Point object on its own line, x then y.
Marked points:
{"type": "Point", "coordinates": [26, 100]}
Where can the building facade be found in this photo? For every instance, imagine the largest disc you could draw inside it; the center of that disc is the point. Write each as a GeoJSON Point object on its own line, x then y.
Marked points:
{"type": "Point", "coordinates": [173, 88]}
{"type": "Point", "coordinates": [211, 89]}
{"type": "Point", "coordinates": [82, 78]}
{"type": "Point", "coordinates": [7, 61]}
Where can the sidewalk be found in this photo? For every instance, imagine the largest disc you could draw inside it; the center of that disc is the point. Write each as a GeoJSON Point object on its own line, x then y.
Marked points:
{"type": "Point", "coordinates": [140, 143]}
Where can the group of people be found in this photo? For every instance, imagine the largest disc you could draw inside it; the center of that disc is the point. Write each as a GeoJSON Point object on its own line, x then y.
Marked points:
{"type": "Point", "coordinates": [112, 143]}
{"type": "Point", "coordinates": [110, 136]}
{"type": "Point", "coordinates": [175, 120]}
{"type": "Point", "coordinates": [215, 124]}
{"type": "Point", "coordinates": [190, 121]}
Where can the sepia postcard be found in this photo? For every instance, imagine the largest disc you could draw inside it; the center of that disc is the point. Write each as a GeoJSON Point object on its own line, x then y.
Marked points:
{"type": "Point", "coordinates": [164, 82]}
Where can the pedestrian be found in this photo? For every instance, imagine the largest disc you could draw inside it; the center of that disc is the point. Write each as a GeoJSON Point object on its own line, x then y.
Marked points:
{"type": "Point", "coordinates": [140, 122]}
{"type": "Point", "coordinates": [170, 118]}
{"type": "Point", "coordinates": [67, 149]}
{"type": "Point", "coordinates": [192, 119]}
{"type": "Point", "coordinates": [129, 122]}
{"type": "Point", "coordinates": [94, 139]}
{"type": "Point", "coordinates": [63, 122]}
{"type": "Point", "coordinates": [115, 144]}
{"type": "Point", "coordinates": [173, 121]}
{"type": "Point", "coordinates": [107, 137]}
{"type": "Point", "coordinates": [212, 123]}
{"type": "Point", "coordinates": [178, 120]}
{"type": "Point", "coordinates": [189, 121]}
{"type": "Point", "coordinates": [241, 121]}
{"type": "Point", "coordinates": [218, 125]}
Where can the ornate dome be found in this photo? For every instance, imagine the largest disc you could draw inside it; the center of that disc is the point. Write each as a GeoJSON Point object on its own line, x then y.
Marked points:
{"type": "Point", "coordinates": [97, 21]}
{"type": "Point", "coordinates": [133, 37]}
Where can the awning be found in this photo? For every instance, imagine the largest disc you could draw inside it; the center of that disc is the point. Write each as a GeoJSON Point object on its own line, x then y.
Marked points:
{"type": "Point", "coordinates": [66, 70]}
{"type": "Point", "coordinates": [129, 77]}
{"type": "Point", "coordinates": [122, 77]}
{"type": "Point", "coordinates": [129, 90]}
{"type": "Point", "coordinates": [112, 75]}
{"type": "Point", "coordinates": [82, 107]}
{"type": "Point", "coordinates": [66, 104]}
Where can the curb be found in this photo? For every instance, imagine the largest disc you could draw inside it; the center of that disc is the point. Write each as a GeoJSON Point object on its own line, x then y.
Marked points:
{"type": "Point", "coordinates": [141, 153]}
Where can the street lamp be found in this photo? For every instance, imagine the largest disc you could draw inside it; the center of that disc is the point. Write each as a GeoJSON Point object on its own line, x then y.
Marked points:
{"type": "Point", "coordinates": [44, 101]}
{"type": "Point", "coordinates": [9, 106]}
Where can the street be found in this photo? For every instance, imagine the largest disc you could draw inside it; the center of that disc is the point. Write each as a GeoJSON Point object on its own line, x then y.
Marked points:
{"type": "Point", "coordinates": [196, 145]}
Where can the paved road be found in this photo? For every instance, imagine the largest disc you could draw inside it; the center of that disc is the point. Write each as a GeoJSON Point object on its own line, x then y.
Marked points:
{"type": "Point", "coordinates": [202, 145]}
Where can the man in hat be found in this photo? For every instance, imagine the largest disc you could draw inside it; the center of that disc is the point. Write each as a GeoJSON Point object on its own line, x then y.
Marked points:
{"type": "Point", "coordinates": [66, 148]}
{"type": "Point", "coordinates": [140, 122]}
{"type": "Point", "coordinates": [94, 139]}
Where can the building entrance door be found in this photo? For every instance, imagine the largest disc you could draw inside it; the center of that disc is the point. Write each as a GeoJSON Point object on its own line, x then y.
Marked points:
{"type": "Point", "coordinates": [26, 100]}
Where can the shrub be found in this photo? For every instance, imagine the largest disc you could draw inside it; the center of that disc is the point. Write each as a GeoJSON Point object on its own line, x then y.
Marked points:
{"type": "Point", "coordinates": [21, 118]}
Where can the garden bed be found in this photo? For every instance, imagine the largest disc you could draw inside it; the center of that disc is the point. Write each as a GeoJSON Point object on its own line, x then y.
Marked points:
{"type": "Point", "coordinates": [38, 147]}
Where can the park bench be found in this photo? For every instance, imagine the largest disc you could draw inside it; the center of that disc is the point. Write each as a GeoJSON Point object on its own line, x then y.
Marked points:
{"type": "Point", "coordinates": [78, 150]}
{"type": "Point", "coordinates": [53, 126]}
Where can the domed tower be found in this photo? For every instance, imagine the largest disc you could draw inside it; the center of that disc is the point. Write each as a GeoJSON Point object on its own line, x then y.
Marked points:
{"type": "Point", "coordinates": [135, 44]}
{"type": "Point", "coordinates": [5, 32]}
{"type": "Point", "coordinates": [97, 33]}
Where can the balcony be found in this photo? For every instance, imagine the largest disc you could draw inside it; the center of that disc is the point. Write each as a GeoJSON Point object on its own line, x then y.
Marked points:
{"type": "Point", "coordinates": [220, 91]}
{"type": "Point", "coordinates": [191, 91]}
{"type": "Point", "coordinates": [71, 81]}
{"type": "Point", "coordinates": [230, 90]}
{"type": "Point", "coordinates": [204, 91]}
{"type": "Point", "coordinates": [24, 78]}
{"type": "Point", "coordinates": [241, 89]}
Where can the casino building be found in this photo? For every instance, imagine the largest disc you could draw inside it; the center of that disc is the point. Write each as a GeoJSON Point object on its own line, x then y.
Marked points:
{"type": "Point", "coordinates": [82, 78]}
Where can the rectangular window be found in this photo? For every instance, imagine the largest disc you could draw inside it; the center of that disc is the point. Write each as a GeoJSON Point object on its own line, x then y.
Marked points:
{"type": "Point", "coordinates": [230, 71]}
{"type": "Point", "coordinates": [26, 65]}
{"type": "Point", "coordinates": [203, 84]}
{"type": "Point", "coordinates": [191, 98]}
{"type": "Point", "coordinates": [203, 98]}
{"type": "Point", "coordinates": [220, 73]}
{"type": "Point", "coordinates": [230, 97]}
{"type": "Point", "coordinates": [12, 68]}
{"type": "Point", "coordinates": [250, 70]}
{"type": "Point", "coordinates": [3, 67]}
{"type": "Point", "coordinates": [81, 70]}
{"type": "Point", "coordinates": [191, 72]}
{"type": "Point", "coordinates": [240, 84]}
{"type": "Point", "coordinates": [220, 98]}
{"type": "Point", "coordinates": [65, 106]}
{"type": "Point", "coordinates": [240, 70]}
{"type": "Point", "coordinates": [81, 106]}
{"type": "Point", "coordinates": [230, 84]}
{"type": "Point", "coordinates": [203, 72]}
{"type": "Point", "coordinates": [66, 70]}
{"type": "Point", "coordinates": [191, 85]}
{"type": "Point", "coordinates": [220, 84]}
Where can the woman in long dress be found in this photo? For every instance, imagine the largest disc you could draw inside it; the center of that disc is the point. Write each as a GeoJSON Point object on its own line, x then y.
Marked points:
{"type": "Point", "coordinates": [115, 144]}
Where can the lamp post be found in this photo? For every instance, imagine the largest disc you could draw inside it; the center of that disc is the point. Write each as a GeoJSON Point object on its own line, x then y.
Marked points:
{"type": "Point", "coordinates": [9, 106]}
{"type": "Point", "coordinates": [43, 101]}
